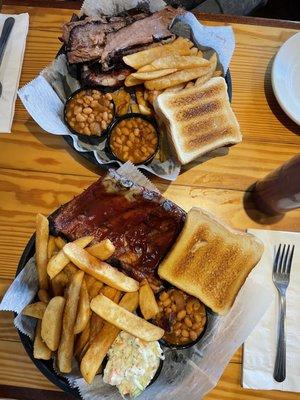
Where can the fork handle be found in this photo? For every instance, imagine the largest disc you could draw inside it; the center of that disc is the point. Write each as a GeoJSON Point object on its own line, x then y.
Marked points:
{"type": "Point", "coordinates": [280, 362]}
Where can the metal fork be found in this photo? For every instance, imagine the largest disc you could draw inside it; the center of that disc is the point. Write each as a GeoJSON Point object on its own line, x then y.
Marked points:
{"type": "Point", "coordinates": [281, 279]}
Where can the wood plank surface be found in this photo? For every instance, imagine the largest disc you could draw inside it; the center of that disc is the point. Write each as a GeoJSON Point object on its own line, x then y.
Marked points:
{"type": "Point", "coordinates": [38, 172]}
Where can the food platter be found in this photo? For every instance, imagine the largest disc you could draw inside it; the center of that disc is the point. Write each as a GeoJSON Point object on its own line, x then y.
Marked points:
{"type": "Point", "coordinates": [171, 58]}
{"type": "Point", "coordinates": [176, 328]}
{"type": "Point", "coordinates": [89, 155]}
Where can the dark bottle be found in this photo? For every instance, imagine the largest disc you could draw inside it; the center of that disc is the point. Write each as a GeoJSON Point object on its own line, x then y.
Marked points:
{"type": "Point", "coordinates": [279, 191]}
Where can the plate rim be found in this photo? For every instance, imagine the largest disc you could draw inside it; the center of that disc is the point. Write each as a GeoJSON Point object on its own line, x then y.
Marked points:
{"type": "Point", "coordinates": [291, 115]}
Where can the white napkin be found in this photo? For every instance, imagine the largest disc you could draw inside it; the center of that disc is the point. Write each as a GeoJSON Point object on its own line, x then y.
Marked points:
{"type": "Point", "coordinates": [10, 69]}
{"type": "Point", "coordinates": [260, 347]}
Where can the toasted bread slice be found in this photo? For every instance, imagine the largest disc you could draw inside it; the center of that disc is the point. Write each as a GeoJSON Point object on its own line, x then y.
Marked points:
{"type": "Point", "coordinates": [198, 119]}
{"type": "Point", "coordinates": [210, 260]}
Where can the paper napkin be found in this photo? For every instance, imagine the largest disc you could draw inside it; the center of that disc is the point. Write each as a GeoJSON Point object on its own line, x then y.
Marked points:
{"type": "Point", "coordinates": [260, 347]}
{"type": "Point", "coordinates": [10, 69]}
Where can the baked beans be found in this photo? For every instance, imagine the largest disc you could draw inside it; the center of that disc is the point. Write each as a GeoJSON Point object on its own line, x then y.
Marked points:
{"type": "Point", "coordinates": [133, 139]}
{"type": "Point", "coordinates": [89, 112]}
{"type": "Point", "coordinates": [182, 316]}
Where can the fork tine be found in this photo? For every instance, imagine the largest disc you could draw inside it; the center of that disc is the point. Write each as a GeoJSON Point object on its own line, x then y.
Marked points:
{"type": "Point", "coordinates": [284, 264]}
{"type": "Point", "coordinates": [279, 269]}
{"type": "Point", "coordinates": [276, 259]}
{"type": "Point", "coordinates": [289, 264]}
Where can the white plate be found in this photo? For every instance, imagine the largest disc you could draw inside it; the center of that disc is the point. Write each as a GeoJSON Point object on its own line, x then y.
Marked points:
{"type": "Point", "coordinates": [286, 77]}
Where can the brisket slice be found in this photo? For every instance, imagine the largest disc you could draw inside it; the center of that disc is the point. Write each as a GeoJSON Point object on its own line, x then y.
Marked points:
{"type": "Point", "coordinates": [85, 39]}
{"type": "Point", "coordinates": [93, 76]}
{"type": "Point", "coordinates": [140, 33]}
{"type": "Point", "coordinates": [141, 223]}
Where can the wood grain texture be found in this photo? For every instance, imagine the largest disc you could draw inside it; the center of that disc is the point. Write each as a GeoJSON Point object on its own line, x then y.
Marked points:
{"type": "Point", "coordinates": [24, 193]}
{"type": "Point", "coordinates": [16, 368]}
{"type": "Point", "coordinates": [38, 172]}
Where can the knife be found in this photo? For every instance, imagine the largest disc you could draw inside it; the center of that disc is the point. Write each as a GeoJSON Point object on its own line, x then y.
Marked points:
{"type": "Point", "coordinates": [7, 27]}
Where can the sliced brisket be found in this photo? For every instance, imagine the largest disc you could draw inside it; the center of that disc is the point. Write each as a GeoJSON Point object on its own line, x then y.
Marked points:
{"type": "Point", "coordinates": [85, 39]}
{"type": "Point", "coordinates": [140, 33]}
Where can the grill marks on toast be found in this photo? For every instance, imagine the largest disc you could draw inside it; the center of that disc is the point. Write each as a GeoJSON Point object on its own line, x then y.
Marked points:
{"type": "Point", "coordinates": [202, 117]}
{"type": "Point", "coordinates": [198, 119]}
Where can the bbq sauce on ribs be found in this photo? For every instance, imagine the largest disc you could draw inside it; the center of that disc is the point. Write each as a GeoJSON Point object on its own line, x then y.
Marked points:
{"type": "Point", "coordinates": [141, 223]}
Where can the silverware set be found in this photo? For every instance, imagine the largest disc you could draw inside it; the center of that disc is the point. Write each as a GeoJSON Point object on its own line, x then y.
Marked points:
{"type": "Point", "coordinates": [7, 28]}
{"type": "Point", "coordinates": [281, 279]}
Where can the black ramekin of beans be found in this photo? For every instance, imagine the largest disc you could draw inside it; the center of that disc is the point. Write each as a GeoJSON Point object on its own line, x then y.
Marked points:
{"type": "Point", "coordinates": [89, 113]}
{"type": "Point", "coordinates": [133, 137]}
{"type": "Point", "coordinates": [183, 317]}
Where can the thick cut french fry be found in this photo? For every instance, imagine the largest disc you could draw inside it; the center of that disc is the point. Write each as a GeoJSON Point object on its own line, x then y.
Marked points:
{"type": "Point", "coordinates": [51, 247]}
{"type": "Point", "coordinates": [132, 81]}
{"type": "Point", "coordinates": [175, 89]}
{"type": "Point", "coordinates": [35, 310]}
{"type": "Point", "coordinates": [122, 100]}
{"type": "Point", "coordinates": [178, 62]}
{"type": "Point", "coordinates": [146, 68]}
{"type": "Point", "coordinates": [52, 322]}
{"type": "Point", "coordinates": [102, 250]}
{"type": "Point", "coordinates": [81, 340]}
{"type": "Point", "coordinates": [100, 269]}
{"type": "Point", "coordinates": [96, 321]}
{"type": "Point", "coordinates": [83, 311]}
{"type": "Point", "coordinates": [99, 347]}
{"type": "Point", "coordinates": [70, 270]}
{"type": "Point", "coordinates": [60, 242]}
{"type": "Point", "coordinates": [148, 75]}
{"type": "Point", "coordinates": [152, 95]}
{"type": "Point", "coordinates": [213, 64]}
{"type": "Point", "coordinates": [125, 320]}
{"type": "Point", "coordinates": [143, 104]}
{"type": "Point", "coordinates": [193, 51]}
{"type": "Point", "coordinates": [134, 107]}
{"type": "Point", "coordinates": [177, 78]}
{"type": "Point", "coordinates": [40, 349]}
{"type": "Point", "coordinates": [41, 249]}
{"type": "Point", "coordinates": [217, 73]}
{"type": "Point", "coordinates": [59, 261]}
{"type": "Point", "coordinates": [93, 288]}
{"type": "Point", "coordinates": [59, 282]}
{"type": "Point", "coordinates": [66, 345]}
{"type": "Point", "coordinates": [148, 304]}
{"type": "Point", "coordinates": [43, 295]}
{"type": "Point", "coordinates": [137, 60]}
{"type": "Point", "coordinates": [189, 84]}
{"type": "Point", "coordinates": [145, 110]}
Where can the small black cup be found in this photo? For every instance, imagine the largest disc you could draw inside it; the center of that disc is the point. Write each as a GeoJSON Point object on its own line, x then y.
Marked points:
{"type": "Point", "coordinates": [128, 116]}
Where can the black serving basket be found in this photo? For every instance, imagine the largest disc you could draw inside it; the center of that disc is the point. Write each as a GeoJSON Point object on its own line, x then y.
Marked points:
{"type": "Point", "coordinates": [46, 366]}
{"type": "Point", "coordinates": [89, 155]}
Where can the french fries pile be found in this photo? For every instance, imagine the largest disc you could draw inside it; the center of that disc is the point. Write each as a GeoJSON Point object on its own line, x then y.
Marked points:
{"type": "Point", "coordinates": [84, 302]}
{"type": "Point", "coordinates": [170, 67]}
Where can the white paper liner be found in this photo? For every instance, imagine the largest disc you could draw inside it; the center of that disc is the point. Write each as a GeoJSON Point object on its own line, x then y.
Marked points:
{"type": "Point", "coordinates": [44, 97]}
{"type": "Point", "coordinates": [197, 369]}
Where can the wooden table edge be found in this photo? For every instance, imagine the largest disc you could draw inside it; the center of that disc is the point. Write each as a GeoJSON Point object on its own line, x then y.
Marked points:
{"type": "Point", "coordinates": [236, 19]}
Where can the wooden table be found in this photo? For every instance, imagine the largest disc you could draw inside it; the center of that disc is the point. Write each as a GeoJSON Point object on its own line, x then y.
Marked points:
{"type": "Point", "coordinates": [38, 172]}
